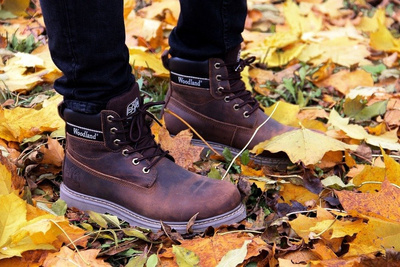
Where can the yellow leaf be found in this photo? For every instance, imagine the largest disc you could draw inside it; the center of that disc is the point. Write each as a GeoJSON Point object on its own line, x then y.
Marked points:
{"type": "Point", "coordinates": [17, 7]}
{"type": "Point", "coordinates": [299, 23]}
{"type": "Point", "coordinates": [282, 58]}
{"type": "Point", "coordinates": [377, 235]}
{"type": "Point", "coordinates": [342, 51]}
{"type": "Point", "coordinates": [129, 5]}
{"type": "Point", "coordinates": [386, 141]}
{"type": "Point", "coordinates": [299, 193]}
{"type": "Point", "coordinates": [139, 58]}
{"type": "Point", "coordinates": [302, 145]}
{"type": "Point", "coordinates": [368, 24]}
{"type": "Point", "coordinates": [19, 123]}
{"type": "Point", "coordinates": [5, 179]}
{"type": "Point", "coordinates": [383, 40]}
{"type": "Point", "coordinates": [12, 217]}
{"type": "Point", "coordinates": [51, 71]}
{"type": "Point", "coordinates": [285, 113]}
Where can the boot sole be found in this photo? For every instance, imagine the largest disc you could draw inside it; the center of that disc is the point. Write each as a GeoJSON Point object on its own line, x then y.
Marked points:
{"type": "Point", "coordinates": [86, 203]}
{"type": "Point", "coordinates": [276, 162]}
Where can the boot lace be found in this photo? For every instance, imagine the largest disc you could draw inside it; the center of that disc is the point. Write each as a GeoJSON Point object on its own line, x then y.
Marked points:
{"type": "Point", "coordinates": [139, 137]}
{"type": "Point", "coordinates": [238, 89]}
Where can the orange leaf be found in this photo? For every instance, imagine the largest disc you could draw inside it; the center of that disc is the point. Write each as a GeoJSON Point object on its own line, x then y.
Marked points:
{"type": "Point", "coordinates": [69, 258]}
{"type": "Point", "coordinates": [344, 80]}
{"type": "Point", "coordinates": [388, 206]}
{"type": "Point", "coordinates": [54, 154]}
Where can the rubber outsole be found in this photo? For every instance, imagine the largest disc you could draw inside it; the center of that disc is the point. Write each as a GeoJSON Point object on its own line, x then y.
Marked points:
{"type": "Point", "coordinates": [86, 203]}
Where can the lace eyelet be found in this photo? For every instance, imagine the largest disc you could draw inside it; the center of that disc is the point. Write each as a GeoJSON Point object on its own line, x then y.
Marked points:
{"type": "Point", "coordinates": [236, 107]}
{"type": "Point", "coordinates": [116, 142]}
{"type": "Point", "coordinates": [218, 77]}
{"type": "Point", "coordinates": [110, 118]}
{"type": "Point", "coordinates": [227, 99]}
{"type": "Point", "coordinates": [217, 65]}
{"type": "Point", "coordinates": [125, 152]}
{"type": "Point", "coordinates": [145, 170]}
{"type": "Point", "coordinates": [113, 129]}
{"type": "Point", "coordinates": [246, 114]}
{"type": "Point", "coordinates": [135, 161]}
{"type": "Point", "coordinates": [219, 89]}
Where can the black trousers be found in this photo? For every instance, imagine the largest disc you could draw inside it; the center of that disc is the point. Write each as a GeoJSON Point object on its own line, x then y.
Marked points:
{"type": "Point", "coordinates": [87, 42]}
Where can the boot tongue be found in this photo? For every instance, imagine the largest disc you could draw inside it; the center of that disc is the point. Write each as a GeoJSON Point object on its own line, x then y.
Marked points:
{"type": "Point", "coordinates": [125, 104]}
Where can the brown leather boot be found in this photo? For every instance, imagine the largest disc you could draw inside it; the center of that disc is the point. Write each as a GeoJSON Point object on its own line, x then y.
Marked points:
{"type": "Point", "coordinates": [113, 165]}
{"type": "Point", "coordinates": [211, 97]}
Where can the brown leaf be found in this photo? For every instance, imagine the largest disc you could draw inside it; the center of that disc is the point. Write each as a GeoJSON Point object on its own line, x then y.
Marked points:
{"type": "Point", "coordinates": [179, 147]}
{"type": "Point", "coordinates": [54, 153]}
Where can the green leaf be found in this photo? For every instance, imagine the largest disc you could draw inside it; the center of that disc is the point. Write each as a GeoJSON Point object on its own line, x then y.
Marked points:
{"type": "Point", "coordinates": [245, 157]}
{"type": "Point", "coordinates": [367, 113]}
{"type": "Point", "coordinates": [214, 173]}
{"type": "Point", "coordinates": [185, 257]}
{"type": "Point", "coordinates": [135, 233]}
{"type": "Point", "coordinates": [152, 261]}
{"type": "Point", "coordinates": [111, 219]}
{"type": "Point", "coordinates": [235, 256]}
{"type": "Point", "coordinates": [59, 207]}
{"type": "Point", "coordinates": [227, 154]}
{"type": "Point", "coordinates": [374, 69]}
{"type": "Point", "coordinates": [97, 218]}
{"type": "Point", "coordinates": [353, 106]}
{"type": "Point", "coordinates": [137, 261]}
{"type": "Point", "coordinates": [287, 82]}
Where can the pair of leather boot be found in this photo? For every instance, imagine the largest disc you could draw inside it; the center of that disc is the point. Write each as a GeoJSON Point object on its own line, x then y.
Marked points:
{"type": "Point", "coordinates": [113, 164]}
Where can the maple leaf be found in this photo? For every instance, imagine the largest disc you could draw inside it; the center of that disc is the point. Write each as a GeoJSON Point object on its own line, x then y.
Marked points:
{"type": "Point", "coordinates": [302, 145]}
{"type": "Point", "coordinates": [365, 203]}
{"type": "Point", "coordinates": [19, 123]}
{"type": "Point", "coordinates": [179, 146]}
{"type": "Point", "coordinates": [54, 153]}
{"type": "Point", "coordinates": [69, 258]}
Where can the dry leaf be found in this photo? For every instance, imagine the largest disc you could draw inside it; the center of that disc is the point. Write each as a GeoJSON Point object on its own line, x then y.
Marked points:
{"type": "Point", "coordinates": [302, 145]}
{"type": "Point", "coordinates": [69, 258]}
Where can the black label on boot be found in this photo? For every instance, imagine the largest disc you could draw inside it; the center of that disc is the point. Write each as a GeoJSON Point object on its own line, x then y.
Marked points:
{"type": "Point", "coordinates": [83, 132]}
{"type": "Point", "coordinates": [190, 80]}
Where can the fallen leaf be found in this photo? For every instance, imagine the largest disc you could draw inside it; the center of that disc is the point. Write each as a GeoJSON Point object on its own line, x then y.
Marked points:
{"type": "Point", "coordinates": [302, 145]}
{"type": "Point", "coordinates": [344, 80]}
{"type": "Point", "coordinates": [179, 146]}
{"type": "Point", "coordinates": [235, 256]}
{"type": "Point", "coordinates": [69, 258]}
{"type": "Point", "coordinates": [185, 257]}
{"type": "Point", "coordinates": [19, 123]}
{"type": "Point", "coordinates": [388, 206]}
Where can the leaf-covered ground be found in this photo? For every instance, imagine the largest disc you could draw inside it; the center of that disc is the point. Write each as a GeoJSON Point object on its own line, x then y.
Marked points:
{"type": "Point", "coordinates": [328, 67]}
